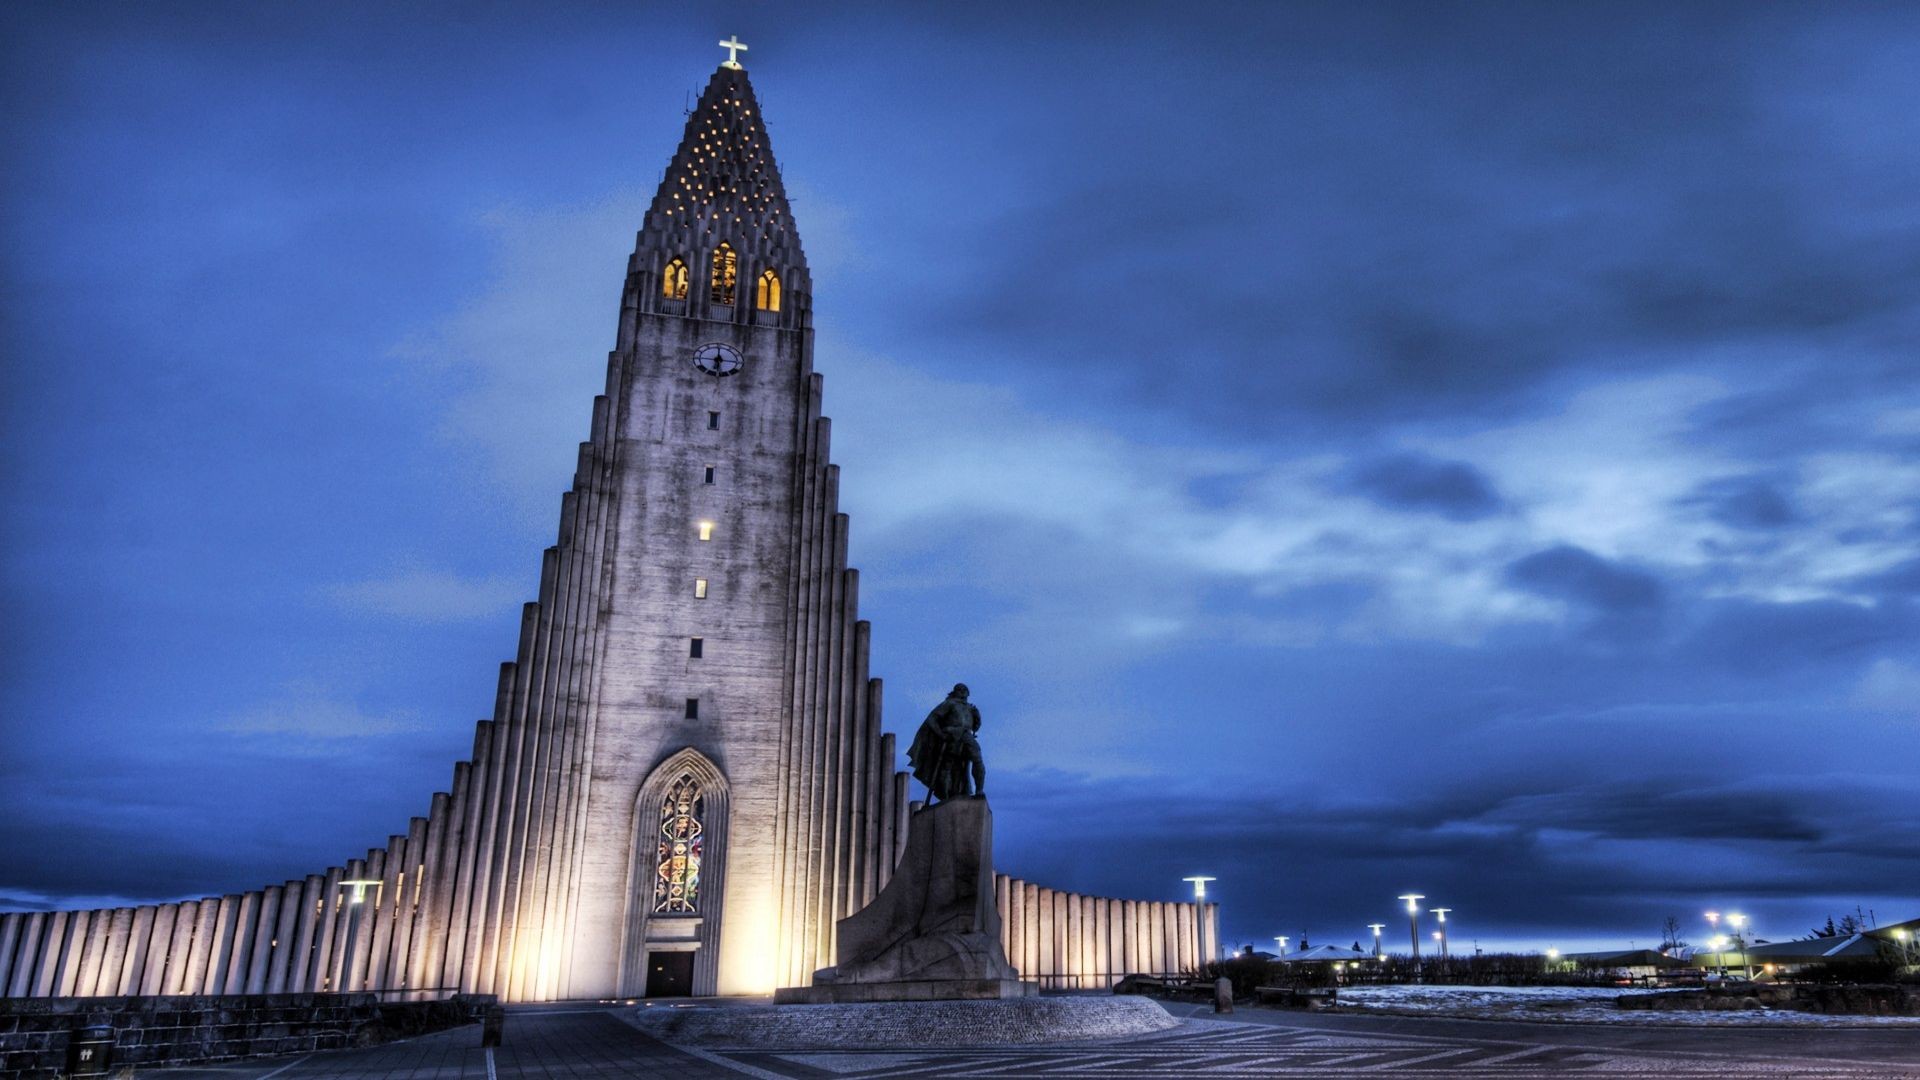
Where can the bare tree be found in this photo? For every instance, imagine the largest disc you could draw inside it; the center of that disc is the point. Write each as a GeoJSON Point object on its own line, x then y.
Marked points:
{"type": "Point", "coordinates": [1670, 940]}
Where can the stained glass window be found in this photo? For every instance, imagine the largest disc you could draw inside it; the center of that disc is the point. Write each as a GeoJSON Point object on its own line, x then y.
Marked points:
{"type": "Point", "coordinates": [676, 883]}
{"type": "Point", "coordinates": [726, 269]}
{"type": "Point", "coordinates": [673, 283]}
{"type": "Point", "coordinates": [766, 295]}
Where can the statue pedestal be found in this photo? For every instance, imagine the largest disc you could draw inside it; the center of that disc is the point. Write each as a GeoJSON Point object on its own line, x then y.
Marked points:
{"type": "Point", "coordinates": [933, 933]}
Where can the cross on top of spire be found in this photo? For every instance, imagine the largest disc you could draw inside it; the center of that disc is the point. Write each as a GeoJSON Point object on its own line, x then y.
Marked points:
{"type": "Point", "coordinates": [734, 49]}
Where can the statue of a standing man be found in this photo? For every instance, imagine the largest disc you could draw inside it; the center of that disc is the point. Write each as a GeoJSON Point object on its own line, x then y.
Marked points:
{"type": "Point", "coordinates": [946, 750]}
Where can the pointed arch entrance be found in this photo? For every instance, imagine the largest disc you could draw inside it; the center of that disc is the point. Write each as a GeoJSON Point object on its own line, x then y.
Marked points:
{"type": "Point", "coordinates": [676, 879]}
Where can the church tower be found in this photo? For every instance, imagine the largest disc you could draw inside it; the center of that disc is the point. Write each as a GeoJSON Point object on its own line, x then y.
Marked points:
{"type": "Point", "coordinates": [684, 782]}
{"type": "Point", "coordinates": [735, 789]}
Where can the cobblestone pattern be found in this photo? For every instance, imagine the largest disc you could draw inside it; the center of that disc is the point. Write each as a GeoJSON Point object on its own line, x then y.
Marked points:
{"type": "Point", "coordinates": [35, 1032]}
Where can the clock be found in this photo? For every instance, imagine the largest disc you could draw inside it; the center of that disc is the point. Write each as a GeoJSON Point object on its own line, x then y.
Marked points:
{"type": "Point", "coordinates": [718, 360]}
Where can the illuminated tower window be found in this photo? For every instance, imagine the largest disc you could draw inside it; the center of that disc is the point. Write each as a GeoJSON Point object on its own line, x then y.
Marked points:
{"type": "Point", "coordinates": [726, 269]}
{"type": "Point", "coordinates": [706, 530]}
{"type": "Point", "coordinates": [673, 283]}
{"type": "Point", "coordinates": [676, 881]}
{"type": "Point", "coordinates": [699, 588]}
{"type": "Point", "coordinates": [766, 295]}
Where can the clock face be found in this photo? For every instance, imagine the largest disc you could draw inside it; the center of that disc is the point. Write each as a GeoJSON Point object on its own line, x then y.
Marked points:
{"type": "Point", "coordinates": [718, 360]}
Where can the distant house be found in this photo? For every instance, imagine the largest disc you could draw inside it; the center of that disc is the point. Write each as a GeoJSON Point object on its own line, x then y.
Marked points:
{"type": "Point", "coordinates": [1900, 940]}
{"type": "Point", "coordinates": [1635, 963]}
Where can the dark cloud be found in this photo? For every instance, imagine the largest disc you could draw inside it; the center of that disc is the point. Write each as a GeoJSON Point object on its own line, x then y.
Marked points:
{"type": "Point", "coordinates": [1453, 489]}
{"type": "Point", "coordinates": [1514, 852]}
{"type": "Point", "coordinates": [1571, 573]}
{"type": "Point", "coordinates": [1745, 502]}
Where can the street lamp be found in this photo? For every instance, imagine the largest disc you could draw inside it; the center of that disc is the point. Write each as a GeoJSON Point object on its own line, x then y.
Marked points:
{"type": "Point", "coordinates": [1281, 940]}
{"type": "Point", "coordinates": [1413, 920]}
{"type": "Point", "coordinates": [1441, 914]}
{"type": "Point", "coordinates": [355, 901]}
{"type": "Point", "coordinates": [1200, 919]}
{"type": "Point", "coordinates": [1376, 927]}
{"type": "Point", "coordinates": [1737, 921]}
{"type": "Point", "coordinates": [1553, 958]}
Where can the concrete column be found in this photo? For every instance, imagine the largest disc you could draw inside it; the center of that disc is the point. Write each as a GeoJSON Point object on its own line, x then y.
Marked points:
{"type": "Point", "coordinates": [159, 950]}
{"type": "Point", "coordinates": [406, 906]}
{"type": "Point", "coordinates": [1098, 966]}
{"type": "Point", "coordinates": [860, 755]}
{"type": "Point", "coordinates": [299, 978]}
{"type": "Point", "coordinates": [18, 950]}
{"type": "Point", "coordinates": [113, 959]}
{"type": "Point", "coordinates": [1030, 947]}
{"type": "Point", "coordinates": [1185, 950]}
{"type": "Point", "coordinates": [180, 947]}
{"type": "Point", "coordinates": [52, 947]}
{"type": "Point", "coordinates": [386, 913]}
{"type": "Point", "coordinates": [206, 922]}
{"type": "Point", "coordinates": [223, 950]}
{"type": "Point", "coordinates": [883, 865]}
{"type": "Point", "coordinates": [345, 928]}
{"type": "Point", "coordinates": [326, 934]}
{"type": "Point", "coordinates": [286, 943]}
{"type": "Point", "coordinates": [484, 947]}
{"type": "Point", "coordinates": [1070, 958]}
{"type": "Point", "coordinates": [1046, 965]}
{"type": "Point", "coordinates": [1157, 939]}
{"type": "Point", "coordinates": [245, 924]}
{"type": "Point", "coordinates": [360, 950]}
{"type": "Point", "coordinates": [1003, 903]}
{"type": "Point", "coordinates": [429, 920]}
{"type": "Point", "coordinates": [460, 928]}
{"type": "Point", "coordinates": [529, 722]}
{"type": "Point", "coordinates": [266, 920]}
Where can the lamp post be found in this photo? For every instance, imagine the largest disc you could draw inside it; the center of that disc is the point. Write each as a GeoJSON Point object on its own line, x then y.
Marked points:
{"type": "Point", "coordinates": [1553, 959]}
{"type": "Point", "coordinates": [1281, 941]}
{"type": "Point", "coordinates": [1440, 913]}
{"type": "Point", "coordinates": [355, 901]}
{"type": "Point", "coordinates": [1376, 927]}
{"type": "Point", "coordinates": [1200, 920]}
{"type": "Point", "coordinates": [1413, 920]}
{"type": "Point", "coordinates": [1736, 920]}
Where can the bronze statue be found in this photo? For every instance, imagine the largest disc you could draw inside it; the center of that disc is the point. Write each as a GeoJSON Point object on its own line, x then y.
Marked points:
{"type": "Point", "coordinates": [945, 750]}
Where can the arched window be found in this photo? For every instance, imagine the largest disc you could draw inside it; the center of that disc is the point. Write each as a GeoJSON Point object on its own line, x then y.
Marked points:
{"type": "Point", "coordinates": [673, 283]}
{"type": "Point", "coordinates": [726, 269]}
{"type": "Point", "coordinates": [766, 295]}
{"type": "Point", "coordinates": [676, 881]}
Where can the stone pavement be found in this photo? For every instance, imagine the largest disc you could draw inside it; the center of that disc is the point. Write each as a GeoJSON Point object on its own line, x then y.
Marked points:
{"type": "Point", "coordinates": [584, 1041]}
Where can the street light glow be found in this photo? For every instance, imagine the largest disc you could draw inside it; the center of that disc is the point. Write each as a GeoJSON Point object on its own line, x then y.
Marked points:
{"type": "Point", "coordinates": [1413, 901]}
{"type": "Point", "coordinates": [1199, 885]}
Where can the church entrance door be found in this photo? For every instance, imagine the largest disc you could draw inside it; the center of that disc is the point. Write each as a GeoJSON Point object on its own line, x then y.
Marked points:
{"type": "Point", "coordinates": [669, 974]}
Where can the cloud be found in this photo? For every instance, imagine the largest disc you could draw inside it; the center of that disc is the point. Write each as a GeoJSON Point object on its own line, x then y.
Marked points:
{"type": "Point", "coordinates": [422, 595]}
{"type": "Point", "coordinates": [1452, 489]}
{"type": "Point", "coordinates": [1566, 572]}
{"type": "Point", "coordinates": [1745, 502]}
{"type": "Point", "coordinates": [307, 721]}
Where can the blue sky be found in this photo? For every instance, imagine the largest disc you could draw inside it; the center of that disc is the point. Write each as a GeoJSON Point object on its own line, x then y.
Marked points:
{"type": "Point", "coordinates": [1471, 448]}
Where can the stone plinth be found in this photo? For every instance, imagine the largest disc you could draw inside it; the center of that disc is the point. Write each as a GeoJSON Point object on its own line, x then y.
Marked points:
{"type": "Point", "coordinates": [933, 933]}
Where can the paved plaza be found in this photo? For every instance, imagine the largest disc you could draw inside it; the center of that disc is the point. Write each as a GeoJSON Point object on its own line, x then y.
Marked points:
{"type": "Point", "coordinates": [587, 1041]}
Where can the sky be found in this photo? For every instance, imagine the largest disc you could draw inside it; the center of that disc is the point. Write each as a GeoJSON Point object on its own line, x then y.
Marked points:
{"type": "Point", "coordinates": [1470, 449]}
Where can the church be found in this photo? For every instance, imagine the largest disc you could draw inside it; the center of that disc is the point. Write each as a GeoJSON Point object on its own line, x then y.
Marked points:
{"type": "Point", "coordinates": [685, 779]}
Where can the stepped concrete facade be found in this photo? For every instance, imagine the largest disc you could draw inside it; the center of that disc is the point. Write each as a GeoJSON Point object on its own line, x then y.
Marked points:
{"type": "Point", "coordinates": [684, 783]}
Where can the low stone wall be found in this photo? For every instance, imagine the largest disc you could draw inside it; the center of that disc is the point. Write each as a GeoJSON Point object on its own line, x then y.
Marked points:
{"type": "Point", "coordinates": [1845, 999]}
{"type": "Point", "coordinates": [148, 1031]}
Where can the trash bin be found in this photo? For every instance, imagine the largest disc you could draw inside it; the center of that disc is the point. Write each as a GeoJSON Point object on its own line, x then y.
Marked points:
{"type": "Point", "coordinates": [90, 1050]}
{"type": "Point", "coordinates": [492, 1024]}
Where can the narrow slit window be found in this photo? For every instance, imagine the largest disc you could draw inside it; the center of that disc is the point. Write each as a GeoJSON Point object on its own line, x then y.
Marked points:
{"type": "Point", "coordinates": [709, 478]}
{"type": "Point", "coordinates": [766, 293]}
{"type": "Point", "coordinates": [699, 588]}
{"type": "Point", "coordinates": [693, 708]}
{"type": "Point", "coordinates": [696, 647]}
{"type": "Point", "coordinates": [706, 530]}
{"type": "Point", "coordinates": [726, 271]}
{"type": "Point", "coordinates": [673, 281]}
{"type": "Point", "coordinates": [713, 421]}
